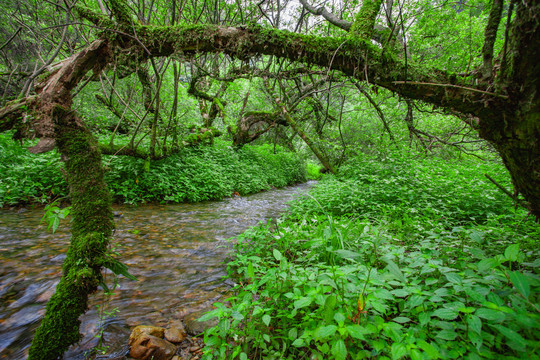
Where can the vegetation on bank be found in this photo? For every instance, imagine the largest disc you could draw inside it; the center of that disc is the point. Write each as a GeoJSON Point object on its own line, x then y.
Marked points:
{"type": "Point", "coordinates": [194, 174]}
{"type": "Point", "coordinates": [397, 257]}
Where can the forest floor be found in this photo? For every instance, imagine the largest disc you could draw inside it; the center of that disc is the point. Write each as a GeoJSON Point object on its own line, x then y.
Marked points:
{"type": "Point", "coordinates": [397, 257]}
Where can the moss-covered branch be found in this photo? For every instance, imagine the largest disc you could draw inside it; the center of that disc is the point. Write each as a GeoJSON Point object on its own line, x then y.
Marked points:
{"type": "Point", "coordinates": [489, 38]}
{"type": "Point", "coordinates": [352, 56]}
{"type": "Point", "coordinates": [91, 229]}
{"type": "Point", "coordinates": [364, 22]}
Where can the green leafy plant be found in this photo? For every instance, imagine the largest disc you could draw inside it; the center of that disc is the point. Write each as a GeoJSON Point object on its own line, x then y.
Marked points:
{"type": "Point", "coordinates": [54, 214]}
{"type": "Point", "coordinates": [360, 270]}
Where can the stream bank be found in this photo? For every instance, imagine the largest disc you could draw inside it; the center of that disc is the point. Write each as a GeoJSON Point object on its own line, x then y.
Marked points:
{"type": "Point", "coordinates": [178, 253]}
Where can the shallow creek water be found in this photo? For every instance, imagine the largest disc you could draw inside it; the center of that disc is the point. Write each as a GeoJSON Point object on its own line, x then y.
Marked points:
{"type": "Point", "coordinates": [177, 252]}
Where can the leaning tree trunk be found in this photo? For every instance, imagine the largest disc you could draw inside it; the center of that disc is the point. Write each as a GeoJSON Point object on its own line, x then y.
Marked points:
{"type": "Point", "coordinates": [91, 229]}
{"type": "Point", "coordinates": [56, 125]}
{"type": "Point", "coordinates": [515, 133]}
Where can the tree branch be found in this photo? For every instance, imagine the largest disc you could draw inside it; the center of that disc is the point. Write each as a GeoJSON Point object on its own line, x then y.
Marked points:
{"type": "Point", "coordinates": [489, 38]}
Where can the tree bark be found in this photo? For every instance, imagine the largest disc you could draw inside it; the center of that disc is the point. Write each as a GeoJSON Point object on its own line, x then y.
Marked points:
{"type": "Point", "coordinates": [91, 230]}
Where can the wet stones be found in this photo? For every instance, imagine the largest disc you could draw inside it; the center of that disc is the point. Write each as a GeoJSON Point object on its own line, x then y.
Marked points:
{"type": "Point", "coordinates": [145, 329]}
{"type": "Point", "coordinates": [175, 333]}
{"type": "Point", "coordinates": [148, 347]}
{"type": "Point", "coordinates": [194, 326]}
{"type": "Point", "coordinates": [146, 342]}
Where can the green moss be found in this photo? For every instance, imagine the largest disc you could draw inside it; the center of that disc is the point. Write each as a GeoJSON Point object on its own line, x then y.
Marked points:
{"type": "Point", "coordinates": [364, 22]}
{"type": "Point", "coordinates": [91, 229]}
{"type": "Point", "coordinates": [121, 12]}
{"type": "Point", "coordinates": [93, 16]}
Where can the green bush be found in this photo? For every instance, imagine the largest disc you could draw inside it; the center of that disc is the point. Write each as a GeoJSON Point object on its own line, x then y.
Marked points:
{"type": "Point", "coordinates": [314, 171]}
{"type": "Point", "coordinates": [452, 192]}
{"type": "Point", "coordinates": [441, 298]}
{"type": "Point", "coordinates": [28, 178]}
{"type": "Point", "coordinates": [402, 258]}
{"type": "Point", "coordinates": [194, 174]}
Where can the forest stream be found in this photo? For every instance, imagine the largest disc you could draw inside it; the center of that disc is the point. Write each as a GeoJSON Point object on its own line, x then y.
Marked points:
{"type": "Point", "coordinates": [177, 252]}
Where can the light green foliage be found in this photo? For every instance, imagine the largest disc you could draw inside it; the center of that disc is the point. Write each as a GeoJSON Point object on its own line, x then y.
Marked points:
{"type": "Point", "coordinates": [28, 178]}
{"type": "Point", "coordinates": [314, 171]}
{"type": "Point", "coordinates": [195, 174]}
{"type": "Point", "coordinates": [53, 215]}
{"type": "Point", "coordinates": [404, 186]}
{"type": "Point", "coordinates": [205, 173]}
{"type": "Point", "coordinates": [390, 274]}
{"type": "Point", "coordinates": [450, 35]}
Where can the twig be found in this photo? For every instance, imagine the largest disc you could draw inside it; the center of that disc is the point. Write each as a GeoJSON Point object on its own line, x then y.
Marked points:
{"type": "Point", "coordinates": [11, 38]}
{"type": "Point", "coordinates": [514, 197]}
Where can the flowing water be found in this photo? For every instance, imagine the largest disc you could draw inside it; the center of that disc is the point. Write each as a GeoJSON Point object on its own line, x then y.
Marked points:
{"type": "Point", "coordinates": [177, 252]}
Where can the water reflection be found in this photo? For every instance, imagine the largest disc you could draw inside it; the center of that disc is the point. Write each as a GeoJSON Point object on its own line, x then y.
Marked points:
{"type": "Point", "coordinates": [176, 251]}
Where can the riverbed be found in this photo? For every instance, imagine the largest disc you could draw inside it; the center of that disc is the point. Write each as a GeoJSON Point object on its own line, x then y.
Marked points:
{"type": "Point", "coordinates": [178, 252]}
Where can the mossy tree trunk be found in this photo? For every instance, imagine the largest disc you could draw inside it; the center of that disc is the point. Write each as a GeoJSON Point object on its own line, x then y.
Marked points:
{"type": "Point", "coordinates": [92, 220]}
{"type": "Point", "coordinates": [91, 229]}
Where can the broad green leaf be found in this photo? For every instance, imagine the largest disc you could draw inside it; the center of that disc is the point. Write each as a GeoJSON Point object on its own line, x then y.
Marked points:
{"type": "Point", "coordinates": [398, 351]}
{"type": "Point", "coordinates": [474, 323]}
{"type": "Point", "coordinates": [475, 339]}
{"type": "Point", "coordinates": [357, 331]}
{"type": "Point", "coordinates": [394, 270]}
{"type": "Point", "coordinates": [477, 236]}
{"type": "Point", "coordinates": [302, 302]}
{"type": "Point", "coordinates": [339, 350]}
{"type": "Point", "coordinates": [487, 264]}
{"type": "Point", "coordinates": [329, 304]}
{"type": "Point", "coordinates": [347, 254]}
{"type": "Point", "coordinates": [526, 319]}
{"type": "Point", "coordinates": [446, 314]}
{"type": "Point", "coordinates": [424, 318]}
{"type": "Point", "coordinates": [250, 270]}
{"type": "Point", "coordinates": [339, 317]}
{"type": "Point", "coordinates": [446, 335]}
{"type": "Point", "coordinates": [212, 314]}
{"type": "Point", "coordinates": [511, 252]}
{"type": "Point", "coordinates": [293, 333]}
{"type": "Point", "coordinates": [277, 254]}
{"type": "Point", "coordinates": [453, 278]}
{"type": "Point", "coordinates": [224, 326]}
{"type": "Point", "coordinates": [266, 319]}
{"type": "Point", "coordinates": [414, 301]}
{"type": "Point", "coordinates": [415, 354]}
{"type": "Point", "coordinates": [298, 342]}
{"type": "Point", "coordinates": [490, 314]}
{"type": "Point", "coordinates": [401, 319]}
{"type": "Point", "coordinates": [430, 350]}
{"type": "Point", "coordinates": [521, 283]}
{"type": "Point", "coordinates": [400, 292]}
{"type": "Point", "coordinates": [237, 315]}
{"type": "Point", "coordinates": [517, 342]}
{"type": "Point", "coordinates": [324, 332]}
{"type": "Point", "coordinates": [212, 341]}
{"type": "Point", "coordinates": [383, 294]}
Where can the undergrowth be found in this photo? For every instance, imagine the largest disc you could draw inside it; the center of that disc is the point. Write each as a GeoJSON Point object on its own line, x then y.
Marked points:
{"type": "Point", "coordinates": [395, 258]}
{"type": "Point", "coordinates": [194, 174]}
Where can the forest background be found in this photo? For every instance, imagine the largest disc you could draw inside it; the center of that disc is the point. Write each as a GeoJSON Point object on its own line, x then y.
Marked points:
{"type": "Point", "coordinates": [404, 105]}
